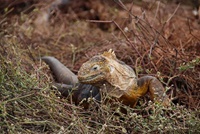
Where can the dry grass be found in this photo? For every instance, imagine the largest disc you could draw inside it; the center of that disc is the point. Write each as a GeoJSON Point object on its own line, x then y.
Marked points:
{"type": "Point", "coordinates": [160, 40]}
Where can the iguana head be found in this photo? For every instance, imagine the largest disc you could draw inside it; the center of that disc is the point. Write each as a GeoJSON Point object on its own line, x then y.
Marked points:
{"type": "Point", "coordinates": [107, 69]}
{"type": "Point", "coordinates": [96, 69]}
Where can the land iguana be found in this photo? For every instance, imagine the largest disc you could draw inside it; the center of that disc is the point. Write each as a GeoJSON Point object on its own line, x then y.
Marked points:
{"type": "Point", "coordinates": [67, 83]}
{"type": "Point", "coordinates": [119, 80]}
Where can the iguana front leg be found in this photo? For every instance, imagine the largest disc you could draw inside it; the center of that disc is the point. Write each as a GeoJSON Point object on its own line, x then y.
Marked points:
{"type": "Point", "coordinates": [151, 85]}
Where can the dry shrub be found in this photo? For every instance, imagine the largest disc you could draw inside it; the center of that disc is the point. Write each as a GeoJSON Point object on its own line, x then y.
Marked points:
{"type": "Point", "coordinates": [158, 39]}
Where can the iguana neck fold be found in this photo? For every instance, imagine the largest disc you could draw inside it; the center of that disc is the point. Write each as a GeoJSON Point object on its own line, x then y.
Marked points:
{"type": "Point", "coordinates": [120, 76]}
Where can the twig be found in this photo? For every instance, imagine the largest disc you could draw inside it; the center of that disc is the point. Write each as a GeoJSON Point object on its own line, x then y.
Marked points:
{"type": "Point", "coordinates": [100, 21]}
{"type": "Point", "coordinates": [139, 19]}
{"type": "Point", "coordinates": [157, 9]}
{"type": "Point", "coordinates": [173, 14]}
{"type": "Point", "coordinates": [158, 34]}
{"type": "Point", "coordinates": [191, 30]}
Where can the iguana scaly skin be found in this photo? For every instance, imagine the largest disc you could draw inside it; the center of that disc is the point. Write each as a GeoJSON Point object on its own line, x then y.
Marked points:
{"type": "Point", "coordinates": [120, 80]}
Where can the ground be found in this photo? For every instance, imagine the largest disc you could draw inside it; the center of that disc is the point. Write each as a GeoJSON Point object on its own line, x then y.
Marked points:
{"type": "Point", "coordinates": [156, 38]}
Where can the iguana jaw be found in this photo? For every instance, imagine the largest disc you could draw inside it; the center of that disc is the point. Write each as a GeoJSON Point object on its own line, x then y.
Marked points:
{"type": "Point", "coordinates": [91, 78]}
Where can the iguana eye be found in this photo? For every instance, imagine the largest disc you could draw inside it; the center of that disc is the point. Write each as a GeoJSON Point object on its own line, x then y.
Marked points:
{"type": "Point", "coordinates": [95, 67]}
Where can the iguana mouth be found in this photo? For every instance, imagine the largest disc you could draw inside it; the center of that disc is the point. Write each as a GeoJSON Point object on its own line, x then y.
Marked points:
{"type": "Point", "coordinates": [91, 79]}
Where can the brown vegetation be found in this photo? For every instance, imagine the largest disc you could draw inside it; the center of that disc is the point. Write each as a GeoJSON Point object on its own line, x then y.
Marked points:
{"type": "Point", "coordinates": [153, 38]}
